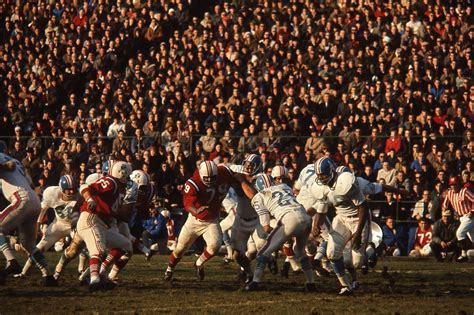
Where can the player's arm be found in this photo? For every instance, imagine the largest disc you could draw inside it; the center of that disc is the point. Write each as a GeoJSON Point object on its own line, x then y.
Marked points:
{"type": "Point", "coordinates": [398, 191]}
{"type": "Point", "coordinates": [319, 211]}
{"type": "Point", "coordinates": [359, 201]}
{"type": "Point", "coordinates": [190, 199]}
{"type": "Point", "coordinates": [263, 213]}
{"type": "Point", "coordinates": [249, 191]}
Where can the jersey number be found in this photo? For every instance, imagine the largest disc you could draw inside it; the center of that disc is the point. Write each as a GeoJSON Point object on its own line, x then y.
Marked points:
{"type": "Point", "coordinates": [283, 200]}
{"type": "Point", "coordinates": [309, 173]}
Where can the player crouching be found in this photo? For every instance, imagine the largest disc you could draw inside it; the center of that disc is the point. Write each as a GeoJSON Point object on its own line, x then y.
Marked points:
{"type": "Point", "coordinates": [278, 201]}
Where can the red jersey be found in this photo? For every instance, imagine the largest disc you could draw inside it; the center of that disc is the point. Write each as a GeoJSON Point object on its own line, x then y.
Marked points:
{"type": "Point", "coordinates": [196, 194]}
{"type": "Point", "coordinates": [462, 201]}
{"type": "Point", "coordinates": [423, 237]}
{"type": "Point", "coordinates": [108, 194]}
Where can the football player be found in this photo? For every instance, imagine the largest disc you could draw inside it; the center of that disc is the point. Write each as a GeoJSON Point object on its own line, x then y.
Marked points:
{"type": "Point", "coordinates": [350, 223]}
{"type": "Point", "coordinates": [230, 205]}
{"type": "Point", "coordinates": [21, 213]}
{"type": "Point", "coordinates": [61, 199]}
{"type": "Point", "coordinates": [102, 200]}
{"type": "Point", "coordinates": [203, 194]}
{"type": "Point", "coordinates": [278, 201]}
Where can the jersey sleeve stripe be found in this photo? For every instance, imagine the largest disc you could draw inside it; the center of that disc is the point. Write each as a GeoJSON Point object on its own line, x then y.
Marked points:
{"type": "Point", "coordinates": [194, 184]}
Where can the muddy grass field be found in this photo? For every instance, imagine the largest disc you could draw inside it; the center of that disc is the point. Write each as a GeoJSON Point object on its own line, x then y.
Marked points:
{"type": "Point", "coordinates": [422, 286]}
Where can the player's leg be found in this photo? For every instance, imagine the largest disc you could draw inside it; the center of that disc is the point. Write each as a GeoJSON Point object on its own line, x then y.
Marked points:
{"type": "Point", "coordinates": [275, 240]}
{"type": "Point", "coordinates": [91, 229]}
{"type": "Point", "coordinates": [301, 226]}
{"type": "Point", "coordinates": [239, 241]}
{"type": "Point", "coordinates": [69, 253]}
{"type": "Point", "coordinates": [213, 238]}
{"type": "Point", "coordinates": [121, 250]}
{"type": "Point", "coordinates": [55, 231]}
{"type": "Point", "coordinates": [465, 226]}
{"type": "Point", "coordinates": [189, 233]}
{"type": "Point", "coordinates": [226, 226]}
{"type": "Point", "coordinates": [337, 239]}
{"type": "Point", "coordinates": [10, 217]}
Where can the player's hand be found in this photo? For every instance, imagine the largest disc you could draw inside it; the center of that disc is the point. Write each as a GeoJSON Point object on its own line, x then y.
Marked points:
{"type": "Point", "coordinates": [91, 205]}
{"type": "Point", "coordinates": [356, 241]}
{"type": "Point", "coordinates": [443, 244]}
{"type": "Point", "coordinates": [267, 228]}
{"type": "Point", "coordinates": [316, 231]}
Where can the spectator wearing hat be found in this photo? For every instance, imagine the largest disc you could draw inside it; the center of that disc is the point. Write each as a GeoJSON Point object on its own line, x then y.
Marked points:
{"type": "Point", "coordinates": [444, 236]}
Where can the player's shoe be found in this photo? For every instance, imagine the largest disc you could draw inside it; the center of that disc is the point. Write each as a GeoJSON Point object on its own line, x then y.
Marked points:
{"type": "Point", "coordinates": [50, 281]}
{"type": "Point", "coordinates": [355, 285]}
{"type": "Point", "coordinates": [252, 286]}
{"type": "Point", "coordinates": [285, 269]}
{"type": "Point", "coordinates": [364, 269]}
{"type": "Point", "coordinates": [273, 266]}
{"type": "Point", "coordinates": [227, 260]}
{"type": "Point", "coordinates": [199, 272]}
{"type": "Point", "coordinates": [372, 261]}
{"type": "Point", "coordinates": [345, 291]}
{"type": "Point", "coordinates": [13, 267]}
{"type": "Point", "coordinates": [310, 287]}
{"type": "Point", "coordinates": [168, 275]}
{"type": "Point", "coordinates": [462, 259]}
{"type": "Point", "coordinates": [19, 275]}
{"type": "Point", "coordinates": [150, 254]}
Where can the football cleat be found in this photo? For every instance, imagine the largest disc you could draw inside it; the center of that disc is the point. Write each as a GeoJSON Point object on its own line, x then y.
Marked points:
{"type": "Point", "coordinates": [345, 291]}
{"type": "Point", "coordinates": [19, 275]}
{"type": "Point", "coordinates": [150, 254]}
{"type": "Point", "coordinates": [273, 266]}
{"type": "Point", "coordinates": [227, 260]}
{"type": "Point", "coordinates": [252, 286]}
{"type": "Point", "coordinates": [319, 270]}
{"type": "Point", "coordinates": [199, 272]}
{"type": "Point", "coordinates": [372, 261]}
{"type": "Point", "coordinates": [310, 287]}
{"type": "Point", "coordinates": [461, 259]}
{"type": "Point", "coordinates": [168, 275]}
{"type": "Point", "coordinates": [285, 269]}
{"type": "Point", "coordinates": [364, 269]}
{"type": "Point", "coordinates": [50, 281]}
{"type": "Point", "coordinates": [13, 267]}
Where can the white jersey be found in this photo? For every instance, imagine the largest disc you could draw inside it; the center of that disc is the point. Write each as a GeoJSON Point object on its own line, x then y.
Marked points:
{"type": "Point", "coordinates": [62, 209]}
{"type": "Point", "coordinates": [275, 201]}
{"type": "Point", "coordinates": [131, 193]}
{"type": "Point", "coordinates": [13, 181]}
{"type": "Point", "coordinates": [346, 196]}
{"type": "Point", "coordinates": [243, 206]}
{"type": "Point", "coordinates": [307, 177]}
{"type": "Point", "coordinates": [230, 201]}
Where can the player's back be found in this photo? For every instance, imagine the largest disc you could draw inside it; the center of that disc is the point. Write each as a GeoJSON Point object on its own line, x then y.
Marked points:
{"type": "Point", "coordinates": [108, 194]}
{"type": "Point", "coordinates": [307, 176]}
{"type": "Point", "coordinates": [52, 198]}
{"type": "Point", "coordinates": [278, 200]}
{"type": "Point", "coordinates": [12, 181]}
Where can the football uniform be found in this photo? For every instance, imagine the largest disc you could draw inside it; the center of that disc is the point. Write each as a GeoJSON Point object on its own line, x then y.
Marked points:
{"type": "Point", "coordinates": [24, 207]}
{"type": "Point", "coordinates": [422, 242]}
{"type": "Point", "coordinates": [346, 198]}
{"type": "Point", "coordinates": [306, 178]}
{"type": "Point", "coordinates": [292, 221]}
{"type": "Point", "coordinates": [61, 226]}
{"type": "Point", "coordinates": [205, 223]}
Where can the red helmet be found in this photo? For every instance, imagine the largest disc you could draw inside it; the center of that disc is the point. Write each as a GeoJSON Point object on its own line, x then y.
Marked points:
{"type": "Point", "coordinates": [453, 180]}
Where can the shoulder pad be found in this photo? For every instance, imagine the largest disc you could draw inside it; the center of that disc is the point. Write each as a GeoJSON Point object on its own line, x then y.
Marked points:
{"type": "Point", "coordinates": [344, 183]}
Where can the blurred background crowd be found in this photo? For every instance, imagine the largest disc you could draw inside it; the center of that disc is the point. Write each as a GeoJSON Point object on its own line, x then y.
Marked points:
{"type": "Point", "coordinates": [384, 87]}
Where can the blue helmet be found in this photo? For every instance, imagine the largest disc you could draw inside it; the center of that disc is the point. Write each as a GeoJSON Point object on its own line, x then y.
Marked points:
{"type": "Point", "coordinates": [106, 167]}
{"type": "Point", "coordinates": [67, 182]}
{"type": "Point", "coordinates": [263, 181]}
{"type": "Point", "coordinates": [3, 146]}
{"type": "Point", "coordinates": [252, 164]}
{"type": "Point", "coordinates": [325, 169]}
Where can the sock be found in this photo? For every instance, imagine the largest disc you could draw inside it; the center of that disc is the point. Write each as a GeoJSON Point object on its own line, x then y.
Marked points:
{"type": "Point", "coordinates": [85, 274]}
{"type": "Point", "coordinates": [82, 263]}
{"type": "Point", "coordinates": [307, 269]}
{"type": "Point", "coordinates": [259, 268]}
{"type": "Point", "coordinates": [205, 256]}
{"type": "Point", "coordinates": [5, 248]}
{"type": "Point", "coordinates": [464, 253]}
{"type": "Point", "coordinates": [118, 266]}
{"type": "Point", "coordinates": [294, 264]}
{"type": "Point", "coordinates": [27, 266]}
{"type": "Point", "coordinates": [338, 266]}
{"type": "Point", "coordinates": [40, 261]}
{"type": "Point", "coordinates": [173, 261]}
{"type": "Point", "coordinates": [112, 257]}
{"type": "Point", "coordinates": [94, 262]}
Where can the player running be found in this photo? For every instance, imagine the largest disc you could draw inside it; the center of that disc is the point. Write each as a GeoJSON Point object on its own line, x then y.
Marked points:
{"type": "Point", "coordinates": [202, 198]}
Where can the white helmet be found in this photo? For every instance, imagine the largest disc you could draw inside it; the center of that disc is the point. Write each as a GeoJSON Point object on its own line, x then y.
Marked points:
{"type": "Point", "coordinates": [279, 172]}
{"type": "Point", "coordinates": [208, 173]}
{"type": "Point", "coordinates": [140, 178]}
{"type": "Point", "coordinates": [121, 171]}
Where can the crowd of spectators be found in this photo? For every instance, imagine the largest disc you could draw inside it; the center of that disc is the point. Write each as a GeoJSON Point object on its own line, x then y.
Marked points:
{"type": "Point", "coordinates": [385, 87]}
